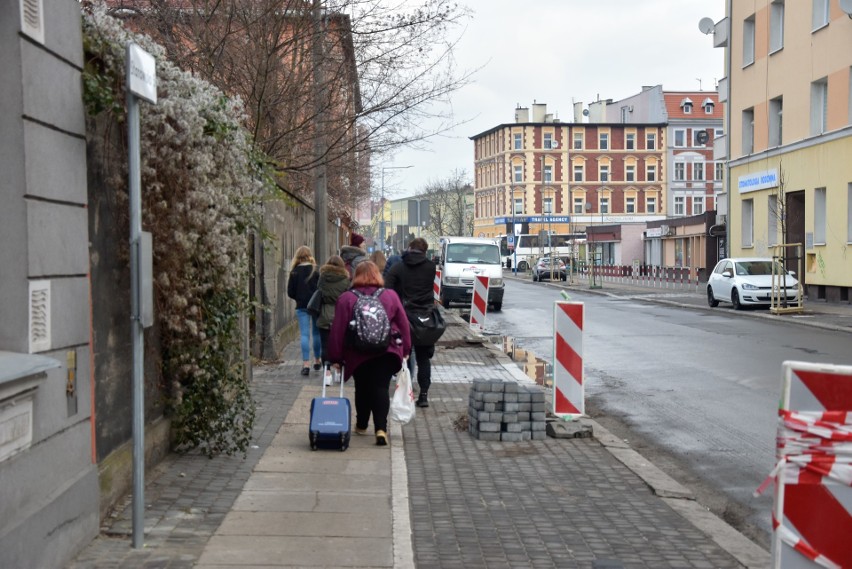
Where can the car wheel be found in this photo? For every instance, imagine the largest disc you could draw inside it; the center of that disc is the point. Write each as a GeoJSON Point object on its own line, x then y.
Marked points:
{"type": "Point", "coordinates": [497, 306]}
{"type": "Point", "coordinates": [444, 302]}
{"type": "Point", "coordinates": [735, 300]}
{"type": "Point", "coordinates": [534, 277]}
{"type": "Point", "coordinates": [564, 278]}
{"type": "Point", "coordinates": [711, 300]}
{"type": "Point", "coordinates": [522, 266]}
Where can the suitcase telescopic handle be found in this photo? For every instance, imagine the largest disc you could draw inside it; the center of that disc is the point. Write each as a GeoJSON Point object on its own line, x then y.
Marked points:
{"type": "Point", "coordinates": [327, 369]}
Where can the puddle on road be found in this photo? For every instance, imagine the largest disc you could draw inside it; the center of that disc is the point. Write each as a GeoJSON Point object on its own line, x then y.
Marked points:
{"type": "Point", "coordinates": [533, 366]}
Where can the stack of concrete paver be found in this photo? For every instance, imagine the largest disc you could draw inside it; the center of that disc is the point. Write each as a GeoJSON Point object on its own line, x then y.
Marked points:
{"type": "Point", "coordinates": [506, 411]}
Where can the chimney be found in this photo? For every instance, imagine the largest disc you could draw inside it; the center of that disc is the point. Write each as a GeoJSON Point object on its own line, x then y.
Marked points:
{"type": "Point", "coordinates": [522, 115]}
{"type": "Point", "coordinates": [539, 111]}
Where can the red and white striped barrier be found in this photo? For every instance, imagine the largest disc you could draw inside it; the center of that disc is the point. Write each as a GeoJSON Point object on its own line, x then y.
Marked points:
{"type": "Point", "coordinates": [568, 378]}
{"type": "Point", "coordinates": [479, 304]}
{"type": "Point", "coordinates": [436, 285]}
{"type": "Point", "coordinates": [812, 512]}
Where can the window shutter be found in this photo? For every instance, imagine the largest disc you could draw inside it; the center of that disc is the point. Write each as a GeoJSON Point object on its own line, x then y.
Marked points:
{"type": "Point", "coordinates": [32, 19]}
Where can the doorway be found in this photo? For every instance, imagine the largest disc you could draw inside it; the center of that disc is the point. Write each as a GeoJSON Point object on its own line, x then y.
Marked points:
{"type": "Point", "coordinates": [795, 233]}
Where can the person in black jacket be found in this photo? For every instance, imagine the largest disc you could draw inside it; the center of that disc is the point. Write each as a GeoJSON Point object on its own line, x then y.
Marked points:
{"type": "Point", "coordinates": [301, 286]}
{"type": "Point", "coordinates": [413, 279]}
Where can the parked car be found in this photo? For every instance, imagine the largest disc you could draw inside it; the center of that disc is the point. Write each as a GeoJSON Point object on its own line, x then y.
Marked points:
{"type": "Point", "coordinates": [749, 282]}
{"type": "Point", "coordinates": [541, 270]}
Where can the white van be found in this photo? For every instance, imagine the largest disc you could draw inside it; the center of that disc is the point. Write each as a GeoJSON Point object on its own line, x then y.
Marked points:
{"type": "Point", "coordinates": [462, 259]}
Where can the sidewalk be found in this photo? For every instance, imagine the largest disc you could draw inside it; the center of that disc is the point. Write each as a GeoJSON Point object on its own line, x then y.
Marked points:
{"type": "Point", "coordinates": [435, 498]}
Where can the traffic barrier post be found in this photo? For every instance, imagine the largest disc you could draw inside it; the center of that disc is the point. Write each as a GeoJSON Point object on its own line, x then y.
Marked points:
{"type": "Point", "coordinates": [568, 375]}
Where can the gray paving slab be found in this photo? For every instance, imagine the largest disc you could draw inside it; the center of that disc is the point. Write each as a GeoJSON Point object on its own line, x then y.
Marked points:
{"type": "Point", "coordinates": [296, 551]}
{"type": "Point", "coordinates": [371, 522]}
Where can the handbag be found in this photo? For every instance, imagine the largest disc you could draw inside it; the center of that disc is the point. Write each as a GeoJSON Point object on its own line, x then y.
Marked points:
{"type": "Point", "coordinates": [402, 403]}
{"type": "Point", "coordinates": [426, 327]}
{"type": "Point", "coordinates": [314, 306]}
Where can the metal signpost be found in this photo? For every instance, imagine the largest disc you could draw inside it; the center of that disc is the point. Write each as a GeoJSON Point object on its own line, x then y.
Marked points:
{"type": "Point", "coordinates": [141, 84]}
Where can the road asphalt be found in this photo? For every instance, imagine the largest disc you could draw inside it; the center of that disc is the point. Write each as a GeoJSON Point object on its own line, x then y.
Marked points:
{"type": "Point", "coordinates": [436, 496]}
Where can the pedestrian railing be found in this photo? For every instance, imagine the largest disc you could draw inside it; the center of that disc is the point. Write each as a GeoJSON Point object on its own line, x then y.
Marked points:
{"type": "Point", "coordinates": [651, 276]}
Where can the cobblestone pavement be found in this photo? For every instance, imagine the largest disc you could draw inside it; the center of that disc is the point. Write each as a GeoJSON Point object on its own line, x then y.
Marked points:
{"type": "Point", "coordinates": [472, 504]}
{"type": "Point", "coordinates": [553, 503]}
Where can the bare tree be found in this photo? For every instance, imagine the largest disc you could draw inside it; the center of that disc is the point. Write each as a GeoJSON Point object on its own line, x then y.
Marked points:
{"type": "Point", "coordinates": [383, 65]}
{"type": "Point", "coordinates": [450, 205]}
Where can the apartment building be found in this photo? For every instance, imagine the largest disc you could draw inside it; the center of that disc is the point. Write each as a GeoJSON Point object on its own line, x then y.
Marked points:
{"type": "Point", "coordinates": [693, 119]}
{"type": "Point", "coordinates": [789, 92]}
{"type": "Point", "coordinates": [539, 173]}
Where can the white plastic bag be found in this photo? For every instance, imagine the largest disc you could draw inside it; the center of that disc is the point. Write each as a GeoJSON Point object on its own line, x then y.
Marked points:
{"type": "Point", "coordinates": [402, 403]}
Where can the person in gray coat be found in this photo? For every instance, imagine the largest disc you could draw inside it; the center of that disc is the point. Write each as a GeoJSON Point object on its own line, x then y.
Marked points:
{"type": "Point", "coordinates": [333, 281]}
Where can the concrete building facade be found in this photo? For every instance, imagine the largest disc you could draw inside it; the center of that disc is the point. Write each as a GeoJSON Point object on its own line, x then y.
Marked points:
{"type": "Point", "coordinates": [789, 95]}
{"type": "Point", "coordinates": [49, 491]}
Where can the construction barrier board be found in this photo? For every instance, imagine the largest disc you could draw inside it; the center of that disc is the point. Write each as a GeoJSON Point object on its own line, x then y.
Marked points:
{"type": "Point", "coordinates": [568, 370]}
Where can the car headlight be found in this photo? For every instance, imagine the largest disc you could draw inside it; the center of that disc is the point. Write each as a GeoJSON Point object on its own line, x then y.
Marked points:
{"type": "Point", "coordinates": [451, 280]}
{"type": "Point", "coordinates": [749, 286]}
{"type": "Point", "coordinates": [496, 282]}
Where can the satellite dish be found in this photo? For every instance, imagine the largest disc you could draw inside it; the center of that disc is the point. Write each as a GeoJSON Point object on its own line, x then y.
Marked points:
{"type": "Point", "coordinates": [702, 137]}
{"type": "Point", "coordinates": [846, 6]}
{"type": "Point", "coordinates": [707, 25]}
{"type": "Point", "coordinates": [554, 144]}
{"type": "Point", "coordinates": [585, 112]}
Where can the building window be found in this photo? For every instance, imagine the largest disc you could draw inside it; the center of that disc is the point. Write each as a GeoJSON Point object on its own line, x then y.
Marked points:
{"type": "Point", "coordinates": [518, 142]}
{"type": "Point", "coordinates": [548, 173]}
{"type": "Point", "coordinates": [519, 206]}
{"type": "Point", "coordinates": [709, 107]}
{"type": "Point", "coordinates": [579, 204]}
{"type": "Point", "coordinates": [604, 205]}
{"type": "Point", "coordinates": [697, 205]}
{"type": "Point", "coordinates": [719, 172]}
{"type": "Point", "coordinates": [630, 173]}
{"type": "Point", "coordinates": [630, 141]}
{"type": "Point", "coordinates": [718, 133]}
{"type": "Point", "coordinates": [578, 140]}
{"type": "Point", "coordinates": [650, 172]}
{"type": "Point", "coordinates": [820, 14]}
{"type": "Point", "coordinates": [603, 172]}
{"type": "Point", "coordinates": [578, 172]}
{"type": "Point", "coordinates": [772, 220]}
{"type": "Point", "coordinates": [747, 223]}
{"type": "Point", "coordinates": [776, 25]}
{"type": "Point", "coordinates": [630, 205]}
{"type": "Point", "coordinates": [651, 204]}
{"type": "Point", "coordinates": [698, 171]}
{"type": "Point", "coordinates": [776, 111]}
{"type": "Point", "coordinates": [519, 173]}
{"type": "Point", "coordinates": [748, 41]}
{"type": "Point", "coordinates": [548, 141]}
{"type": "Point", "coordinates": [687, 107]}
{"type": "Point", "coordinates": [819, 106]}
{"type": "Point", "coordinates": [679, 171]}
{"type": "Point", "coordinates": [603, 141]}
{"type": "Point", "coordinates": [680, 205]}
{"type": "Point", "coordinates": [547, 204]}
{"type": "Point", "coordinates": [748, 131]}
{"type": "Point", "coordinates": [650, 141]}
{"type": "Point", "coordinates": [680, 137]}
{"type": "Point", "coordinates": [820, 208]}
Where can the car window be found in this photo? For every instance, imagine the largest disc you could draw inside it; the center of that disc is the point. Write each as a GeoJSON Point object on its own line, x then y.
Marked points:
{"type": "Point", "coordinates": [720, 266]}
{"type": "Point", "coordinates": [729, 266]}
{"type": "Point", "coordinates": [467, 253]}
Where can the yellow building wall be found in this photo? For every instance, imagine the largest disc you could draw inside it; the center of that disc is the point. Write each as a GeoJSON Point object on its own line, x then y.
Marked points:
{"type": "Point", "coordinates": [827, 165]}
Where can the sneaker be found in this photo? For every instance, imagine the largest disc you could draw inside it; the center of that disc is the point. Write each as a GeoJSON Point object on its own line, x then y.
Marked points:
{"type": "Point", "coordinates": [381, 438]}
{"type": "Point", "coordinates": [317, 366]}
{"type": "Point", "coordinates": [422, 401]}
{"type": "Point", "coordinates": [306, 371]}
{"type": "Point", "coordinates": [360, 431]}
{"type": "Point", "coordinates": [327, 380]}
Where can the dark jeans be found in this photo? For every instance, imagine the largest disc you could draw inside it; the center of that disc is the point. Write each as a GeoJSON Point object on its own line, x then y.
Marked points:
{"type": "Point", "coordinates": [372, 386]}
{"type": "Point", "coordinates": [421, 355]}
{"type": "Point", "coordinates": [323, 334]}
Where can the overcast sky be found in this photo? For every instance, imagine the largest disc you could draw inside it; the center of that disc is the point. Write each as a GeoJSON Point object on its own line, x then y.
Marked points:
{"type": "Point", "coordinates": [558, 52]}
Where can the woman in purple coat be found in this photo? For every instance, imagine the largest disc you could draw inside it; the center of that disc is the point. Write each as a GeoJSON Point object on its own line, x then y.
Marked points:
{"type": "Point", "coordinates": [372, 371]}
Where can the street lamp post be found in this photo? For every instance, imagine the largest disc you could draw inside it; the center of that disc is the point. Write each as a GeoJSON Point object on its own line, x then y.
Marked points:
{"type": "Point", "coordinates": [382, 226]}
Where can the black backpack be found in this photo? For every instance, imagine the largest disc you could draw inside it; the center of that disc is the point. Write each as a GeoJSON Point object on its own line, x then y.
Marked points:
{"type": "Point", "coordinates": [370, 326]}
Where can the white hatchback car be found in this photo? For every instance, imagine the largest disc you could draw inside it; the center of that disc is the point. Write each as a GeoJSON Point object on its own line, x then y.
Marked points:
{"type": "Point", "coordinates": [749, 282]}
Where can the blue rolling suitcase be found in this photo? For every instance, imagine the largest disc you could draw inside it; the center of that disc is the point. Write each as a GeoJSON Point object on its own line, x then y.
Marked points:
{"type": "Point", "coordinates": [330, 419]}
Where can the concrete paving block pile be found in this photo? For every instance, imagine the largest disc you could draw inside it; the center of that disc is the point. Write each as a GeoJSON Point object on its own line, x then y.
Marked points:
{"type": "Point", "coordinates": [506, 411]}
